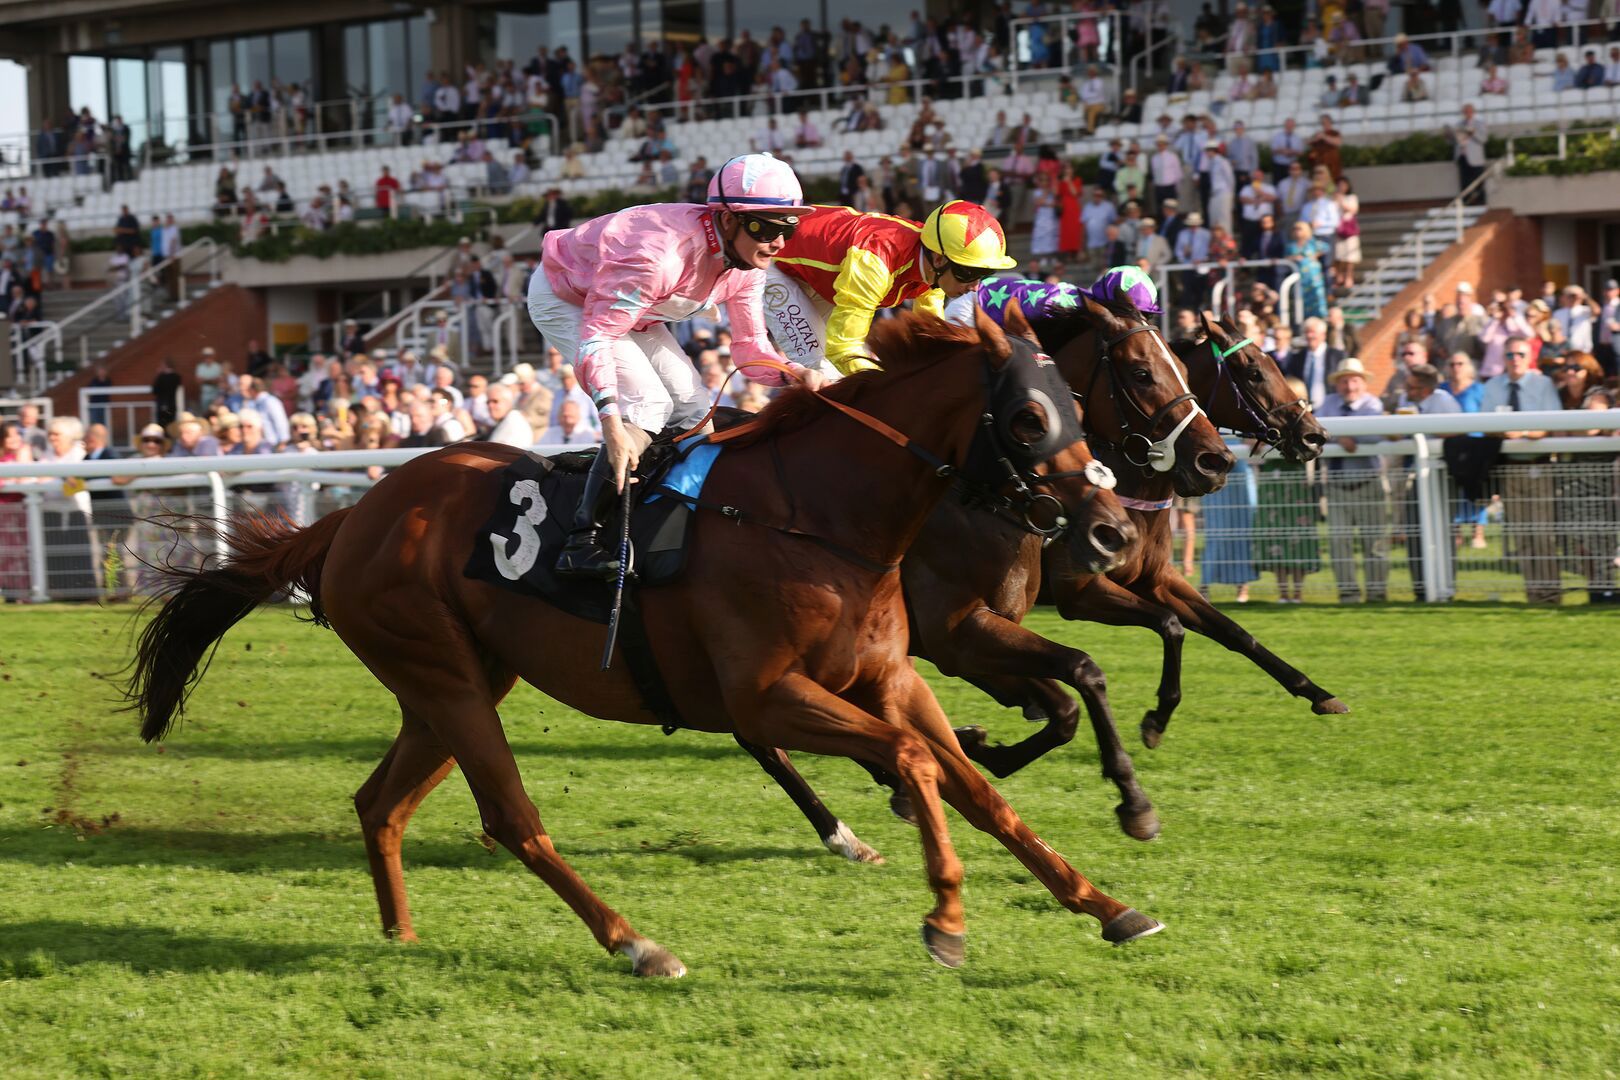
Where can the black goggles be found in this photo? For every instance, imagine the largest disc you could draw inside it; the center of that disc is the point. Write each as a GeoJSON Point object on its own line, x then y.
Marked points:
{"type": "Point", "coordinates": [766, 229]}
{"type": "Point", "coordinates": [969, 275]}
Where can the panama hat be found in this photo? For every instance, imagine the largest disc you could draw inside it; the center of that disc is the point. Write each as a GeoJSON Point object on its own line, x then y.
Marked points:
{"type": "Point", "coordinates": [154, 431]}
{"type": "Point", "coordinates": [1351, 366]}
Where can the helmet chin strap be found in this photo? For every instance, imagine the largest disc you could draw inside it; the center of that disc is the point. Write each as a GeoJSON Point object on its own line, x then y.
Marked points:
{"type": "Point", "coordinates": [727, 242]}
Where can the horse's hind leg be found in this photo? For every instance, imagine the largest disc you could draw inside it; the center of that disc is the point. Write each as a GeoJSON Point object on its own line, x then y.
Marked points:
{"type": "Point", "coordinates": [838, 837]}
{"type": "Point", "coordinates": [413, 767]}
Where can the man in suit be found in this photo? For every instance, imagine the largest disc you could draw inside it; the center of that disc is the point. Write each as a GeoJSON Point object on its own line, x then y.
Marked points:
{"type": "Point", "coordinates": [1528, 495]}
{"type": "Point", "coordinates": [1313, 362]}
{"type": "Point", "coordinates": [847, 177]}
{"type": "Point", "coordinates": [556, 213]}
{"type": "Point", "coordinates": [973, 182]}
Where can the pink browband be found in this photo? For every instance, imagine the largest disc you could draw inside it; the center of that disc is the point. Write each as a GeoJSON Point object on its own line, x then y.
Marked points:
{"type": "Point", "coordinates": [1143, 504]}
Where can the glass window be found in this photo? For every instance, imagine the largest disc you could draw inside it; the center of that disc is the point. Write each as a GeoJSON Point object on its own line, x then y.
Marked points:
{"type": "Point", "coordinates": [171, 99]}
{"type": "Point", "coordinates": [715, 25]}
{"type": "Point", "coordinates": [252, 56]}
{"type": "Point", "coordinates": [221, 77]}
{"type": "Point", "coordinates": [760, 17]}
{"type": "Point", "coordinates": [355, 77]}
{"type": "Point", "coordinates": [128, 98]}
{"type": "Point", "coordinates": [611, 28]}
{"type": "Point", "coordinates": [566, 31]}
{"type": "Point", "coordinates": [87, 84]}
{"type": "Point", "coordinates": [416, 34]}
{"type": "Point", "coordinates": [518, 35]}
{"type": "Point", "coordinates": [294, 58]}
{"type": "Point", "coordinates": [389, 70]}
{"type": "Point", "coordinates": [674, 20]}
{"type": "Point", "coordinates": [874, 15]}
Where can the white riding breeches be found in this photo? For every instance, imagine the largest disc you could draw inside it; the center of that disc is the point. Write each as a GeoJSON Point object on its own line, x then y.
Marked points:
{"type": "Point", "coordinates": [658, 386]}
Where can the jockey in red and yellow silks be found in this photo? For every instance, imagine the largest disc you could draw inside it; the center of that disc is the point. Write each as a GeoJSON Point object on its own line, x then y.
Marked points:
{"type": "Point", "coordinates": [831, 277]}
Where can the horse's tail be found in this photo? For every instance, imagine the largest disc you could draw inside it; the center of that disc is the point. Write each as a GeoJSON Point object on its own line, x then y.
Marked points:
{"type": "Point", "coordinates": [268, 555]}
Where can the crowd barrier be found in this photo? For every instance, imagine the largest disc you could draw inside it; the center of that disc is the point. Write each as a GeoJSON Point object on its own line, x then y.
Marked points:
{"type": "Point", "coordinates": [1548, 514]}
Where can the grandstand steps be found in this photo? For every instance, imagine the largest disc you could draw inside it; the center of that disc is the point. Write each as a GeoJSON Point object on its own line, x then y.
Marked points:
{"type": "Point", "coordinates": [1397, 248]}
{"type": "Point", "coordinates": [99, 333]}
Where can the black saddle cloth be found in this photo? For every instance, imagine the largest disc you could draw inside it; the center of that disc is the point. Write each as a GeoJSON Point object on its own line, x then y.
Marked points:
{"type": "Point", "coordinates": [517, 547]}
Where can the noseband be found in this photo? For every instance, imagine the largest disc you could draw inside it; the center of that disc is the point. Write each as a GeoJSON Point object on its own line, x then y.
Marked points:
{"type": "Point", "coordinates": [1139, 447]}
{"type": "Point", "coordinates": [1268, 430]}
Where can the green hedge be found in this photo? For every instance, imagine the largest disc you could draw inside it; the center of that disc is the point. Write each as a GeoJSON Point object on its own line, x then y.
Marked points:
{"type": "Point", "coordinates": [1585, 154]}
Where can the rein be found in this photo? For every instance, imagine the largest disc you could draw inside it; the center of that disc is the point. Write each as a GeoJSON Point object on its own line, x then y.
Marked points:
{"type": "Point", "coordinates": [1155, 456]}
{"type": "Point", "coordinates": [1018, 509]}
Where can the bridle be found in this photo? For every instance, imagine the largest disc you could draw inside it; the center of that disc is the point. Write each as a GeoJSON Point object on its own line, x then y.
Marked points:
{"type": "Point", "coordinates": [1022, 507]}
{"type": "Point", "coordinates": [1139, 447]}
{"type": "Point", "coordinates": [1268, 430]}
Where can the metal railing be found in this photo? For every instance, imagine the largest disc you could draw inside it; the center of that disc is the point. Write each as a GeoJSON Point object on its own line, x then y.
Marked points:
{"type": "Point", "coordinates": [1064, 27]}
{"type": "Point", "coordinates": [1549, 526]}
{"type": "Point", "coordinates": [1223, 291]}
{"type": "Point", "coordinates": [139, 301]}
{"type": "Point", "coordinates": [1416, 245]}
{"type": "Point", "coordinates": [123, 410]}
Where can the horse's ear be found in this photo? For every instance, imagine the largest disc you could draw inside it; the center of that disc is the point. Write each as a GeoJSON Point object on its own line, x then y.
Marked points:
{"type": "Point", "coordinates": [1014, 323]}
{"type": "Point", "coordinates": [1210, 328]}
{"type": "Point", "coordinates": [991, 337]}
{"type": "Point", "coordinates": [1101, 317]}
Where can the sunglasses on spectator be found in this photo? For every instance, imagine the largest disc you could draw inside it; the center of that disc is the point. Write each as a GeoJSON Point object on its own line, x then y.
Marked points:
{"type": "Point", "coordinates": [766, 229]}
{"type": "Point", "coordinates": [1518, 355]}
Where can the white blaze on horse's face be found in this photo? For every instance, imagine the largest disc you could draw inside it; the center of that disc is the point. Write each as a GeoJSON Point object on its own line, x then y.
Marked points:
{"type": "Point", "coordinates": [1162, 454]}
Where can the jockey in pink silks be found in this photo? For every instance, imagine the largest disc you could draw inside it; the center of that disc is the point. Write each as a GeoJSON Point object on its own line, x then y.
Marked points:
{"type": "Point", "coordinates": [606, 289]}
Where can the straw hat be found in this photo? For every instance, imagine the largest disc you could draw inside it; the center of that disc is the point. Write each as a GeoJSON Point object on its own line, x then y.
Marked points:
{"type": "Point", "coordinates": [1195, 220]}
{"type": "Point", "coordinates": [1351, 366]}
{"type": "Point", "coordinates": [154, 431]}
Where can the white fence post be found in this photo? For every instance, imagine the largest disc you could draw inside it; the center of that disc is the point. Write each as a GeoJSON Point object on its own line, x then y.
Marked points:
{"type": "Point", "coordinates": [34, 503]}
{"type": "Point", "coordinates": [1431, 533]}
{"type": "Point", "coordinates": [222, 514]}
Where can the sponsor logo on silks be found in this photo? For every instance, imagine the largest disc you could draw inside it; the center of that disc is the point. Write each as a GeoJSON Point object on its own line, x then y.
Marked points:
{"type": "Point", "coordinates": [775, 296]}
{"type": "Point", "coordinates": [1042, 360]}
{"type": "Point", "coordinates": [710, 234]}
{"type": "Point", "coordinates": [792, 325]}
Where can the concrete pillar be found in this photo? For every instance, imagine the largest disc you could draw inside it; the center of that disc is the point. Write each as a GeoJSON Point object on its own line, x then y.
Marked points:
{"type": "Point", "coordinates": [47, 89]}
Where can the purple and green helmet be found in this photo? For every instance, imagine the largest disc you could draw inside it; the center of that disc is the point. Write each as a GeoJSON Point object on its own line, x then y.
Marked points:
{"type": "Point", "coordinates": [1039, 299]}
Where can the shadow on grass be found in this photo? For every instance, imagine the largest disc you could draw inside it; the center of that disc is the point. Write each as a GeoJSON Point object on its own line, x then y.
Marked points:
{"type": "Point", "coordinates": [699, 746]}
{"type": "Point", "coordinates": [261, 852]}
{"type": "Point", "coordinates": [42, 947]}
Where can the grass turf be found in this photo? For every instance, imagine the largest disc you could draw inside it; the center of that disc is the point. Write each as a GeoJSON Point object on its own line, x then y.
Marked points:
{"type": "Point", "coordinates": [1423, 888]}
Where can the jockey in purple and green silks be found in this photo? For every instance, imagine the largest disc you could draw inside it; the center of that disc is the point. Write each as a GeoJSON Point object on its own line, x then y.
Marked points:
{"type": "Point", "coordinates": [1038, 299]}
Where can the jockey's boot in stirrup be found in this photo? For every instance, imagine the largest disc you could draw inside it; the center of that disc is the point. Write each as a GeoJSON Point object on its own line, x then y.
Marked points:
{"type": "Point", "coordinates": [583, 555]}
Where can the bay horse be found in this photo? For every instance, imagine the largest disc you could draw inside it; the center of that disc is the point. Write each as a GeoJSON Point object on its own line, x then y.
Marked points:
{"type": "Point", "coordinates": [1241, 388]}
{"type": "Point", "coordinates": [788, 627]}
{"type": "Point", "coordinates": [969, 579]}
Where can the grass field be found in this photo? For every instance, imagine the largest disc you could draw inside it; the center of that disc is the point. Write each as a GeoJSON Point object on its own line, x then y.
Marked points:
{"type": "Point", "coordinates": [1424, 888]}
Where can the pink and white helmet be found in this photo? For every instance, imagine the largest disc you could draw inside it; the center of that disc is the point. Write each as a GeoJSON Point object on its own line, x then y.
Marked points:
{"type": "Point", "coordinates": [757, 183]}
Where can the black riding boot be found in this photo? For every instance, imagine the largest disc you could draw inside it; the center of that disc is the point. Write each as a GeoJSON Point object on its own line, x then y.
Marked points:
{"type": "Point", "coordinates": [584, 555]}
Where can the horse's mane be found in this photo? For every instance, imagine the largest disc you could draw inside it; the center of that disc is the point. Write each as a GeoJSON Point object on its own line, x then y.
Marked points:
{"type": "Point", "coordinates": [905, 343]}
{"type": "Point", "coordinates": [1057, 328]}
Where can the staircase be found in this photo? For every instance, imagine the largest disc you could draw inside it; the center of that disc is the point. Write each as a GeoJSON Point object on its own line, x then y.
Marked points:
{"type": "Point", "coordinates": [1397, 248]}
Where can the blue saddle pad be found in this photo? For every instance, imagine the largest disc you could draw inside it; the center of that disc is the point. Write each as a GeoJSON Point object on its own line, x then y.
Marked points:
{"type": "Point", "coordinates": [686, 477]}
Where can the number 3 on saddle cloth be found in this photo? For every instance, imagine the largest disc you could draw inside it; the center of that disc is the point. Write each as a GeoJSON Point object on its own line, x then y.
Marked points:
{"type": "Point", "coordinates": [518, 545]}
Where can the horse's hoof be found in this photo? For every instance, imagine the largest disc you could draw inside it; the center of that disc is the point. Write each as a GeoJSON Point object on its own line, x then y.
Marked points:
{"type": "Point", "coordinates": [652, 960]}
{"type": "Point", "coordinates": [900, 805]}
{"type": "Point", "coordinates": [1330, 707]}
{"type": "Point", "coordinates": [1140, 824]}
{"type": "Point", "coordinates": [1129, 925]}
{"type": "Point", "coordinates": [946, 949]}
{"type": "Point", "coordinates": [846, 843]}
{"type": "Point", "coordinates": [971, 737]}
{"type": "Point", "coordinates": [1152, 731]}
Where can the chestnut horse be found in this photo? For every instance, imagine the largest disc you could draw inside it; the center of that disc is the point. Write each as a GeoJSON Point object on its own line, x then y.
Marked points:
{"type": "Point", "coordinates": [788, 627]}
{"type": "Point", "coordinates": [1242, 389]}
{"type": "Point", "coordinates": [970, 579]}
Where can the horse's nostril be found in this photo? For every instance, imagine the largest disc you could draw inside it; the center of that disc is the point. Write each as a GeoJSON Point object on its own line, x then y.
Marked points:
{"type": "Point", "coordinates": [1314, 438]}
{"type": "Point", "coordinates": [1108, 539]}
{"type": "Point", "coordinates": [1212, 464]}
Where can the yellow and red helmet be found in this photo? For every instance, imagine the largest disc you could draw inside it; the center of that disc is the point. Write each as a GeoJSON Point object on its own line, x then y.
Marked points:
{"type": "Point", "coordinates": [968, 235]}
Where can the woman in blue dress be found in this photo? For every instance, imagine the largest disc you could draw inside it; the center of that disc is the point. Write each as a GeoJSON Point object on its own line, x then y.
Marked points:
{"type": "Point", "coordinates": [1228, 528]}
{"type": "Point", "coordinates": [1306, 252]}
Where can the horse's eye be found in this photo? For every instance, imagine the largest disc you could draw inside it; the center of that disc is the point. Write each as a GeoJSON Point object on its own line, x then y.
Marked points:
{"type": "Point", "coordinates": [1142, 375]}
{"type": "Point", "coordinates": [1256, 376]}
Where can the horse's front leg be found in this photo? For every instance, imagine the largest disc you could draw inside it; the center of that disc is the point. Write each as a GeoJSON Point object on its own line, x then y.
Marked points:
{"type": "Point", "coordinates": [838, 837]}
{"type": "Point", "coordinates": [989, 645]}
{"type": "Point", "coordinates": [961, 785]}
{"type": "Point", "coordinates": [1199, 615]}
{"type": "Point", "coordinates": [1103, 600]}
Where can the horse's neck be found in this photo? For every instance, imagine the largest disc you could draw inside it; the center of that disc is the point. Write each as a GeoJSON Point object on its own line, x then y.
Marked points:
{"type": "Point", "coordinates": [891, 490]}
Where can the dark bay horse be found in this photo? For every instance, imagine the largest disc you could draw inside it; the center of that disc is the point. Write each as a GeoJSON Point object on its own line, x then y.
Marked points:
{"type": "Point", "coordinates": [970, 579]}
{"type": "Point", "coordinates": [1241, 388]}
{"type": "Point", "coordinates": [788, 628]}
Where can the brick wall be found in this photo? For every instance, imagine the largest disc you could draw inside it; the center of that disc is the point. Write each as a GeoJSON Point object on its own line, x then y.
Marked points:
{"type": "Point", "coordinates": [227, 317]}
{"type": "Point", "coordinates": [1501, 251]}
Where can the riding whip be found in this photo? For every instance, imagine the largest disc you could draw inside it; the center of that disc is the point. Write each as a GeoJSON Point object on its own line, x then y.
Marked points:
{"type": "Point", "coordinates": [624, 563]}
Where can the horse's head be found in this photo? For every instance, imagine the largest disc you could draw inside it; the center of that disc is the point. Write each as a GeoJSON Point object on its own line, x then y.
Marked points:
{"type": "Point", "coordinates": [1136, 398]}
{"type": "Point", "coordinates": [1071, 493]}
{"type": "Point", "coordinates": [1245, 392]}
